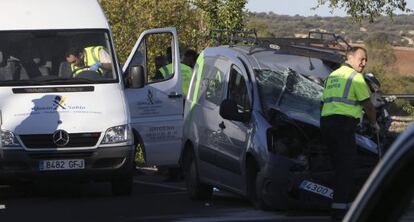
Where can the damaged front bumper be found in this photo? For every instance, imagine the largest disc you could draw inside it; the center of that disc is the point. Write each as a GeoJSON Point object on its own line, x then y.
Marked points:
{"type": "Point", "coordinates": [285, 187]}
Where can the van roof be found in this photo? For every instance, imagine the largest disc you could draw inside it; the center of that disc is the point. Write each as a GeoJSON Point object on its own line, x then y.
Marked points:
{"type": "Point", "coordinates": [51, 14]}
{"type": "Point", "coordinates": [264, 58]}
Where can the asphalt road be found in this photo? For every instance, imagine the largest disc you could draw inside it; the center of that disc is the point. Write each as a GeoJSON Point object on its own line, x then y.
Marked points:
{"type": "Point", "coordinates": [153, 199]}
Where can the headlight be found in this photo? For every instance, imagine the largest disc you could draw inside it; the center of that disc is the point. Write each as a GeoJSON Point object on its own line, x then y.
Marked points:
{"type": "Point", "coordinates": [8, 139]}
{"type": "Point", "coordinates": [117, 134]}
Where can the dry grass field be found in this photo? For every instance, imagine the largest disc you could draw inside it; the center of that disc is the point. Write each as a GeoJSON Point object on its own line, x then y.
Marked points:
{"type": "Point", "coordinates": [405, 60]}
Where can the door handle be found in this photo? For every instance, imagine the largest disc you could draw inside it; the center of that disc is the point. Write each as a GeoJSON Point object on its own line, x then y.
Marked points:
{"type": "Point", "coordinates": [221, 125]}
{"type": "Point", "coordinates": [174, 95]}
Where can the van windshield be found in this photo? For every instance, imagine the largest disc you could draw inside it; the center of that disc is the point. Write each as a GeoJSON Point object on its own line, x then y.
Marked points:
{"type": "Point", "coordinates": [290, 92]}
{"type": "Point", "coordinates": [56, 57]}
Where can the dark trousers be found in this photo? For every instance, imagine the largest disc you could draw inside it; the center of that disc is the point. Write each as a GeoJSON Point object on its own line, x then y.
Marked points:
{"type": "Point", "coordinates": [338, 133]}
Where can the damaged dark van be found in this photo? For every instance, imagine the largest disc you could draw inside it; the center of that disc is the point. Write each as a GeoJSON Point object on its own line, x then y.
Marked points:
{"type": "Point", "coordinates": [252, 125]}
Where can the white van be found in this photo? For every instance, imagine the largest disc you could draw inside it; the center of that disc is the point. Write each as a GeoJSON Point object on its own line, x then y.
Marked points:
{"type": "Point", "coordinates": [61, 122]}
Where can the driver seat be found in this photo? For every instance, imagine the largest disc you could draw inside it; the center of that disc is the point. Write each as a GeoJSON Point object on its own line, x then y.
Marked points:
{"type": "Point", "coordinates": [64, 70]}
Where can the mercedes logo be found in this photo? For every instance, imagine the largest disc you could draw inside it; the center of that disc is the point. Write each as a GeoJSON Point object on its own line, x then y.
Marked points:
{"type": "Point", "coordinates": [61, 137]}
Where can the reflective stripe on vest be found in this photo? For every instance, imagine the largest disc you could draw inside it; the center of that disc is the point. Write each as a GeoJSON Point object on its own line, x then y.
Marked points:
{"type": "Point", "coordinates": [89, 52]}
{"type": "Point", "coordinates": [344, 90]}
{"type": "Point", "coordinates": [166, 71]}
{"type": "Point", "coordinates": [344, 98]}
{"type": "Point", "coordinates": [186, 73]}
{"type": "Point", "coordinates": [95, 54]}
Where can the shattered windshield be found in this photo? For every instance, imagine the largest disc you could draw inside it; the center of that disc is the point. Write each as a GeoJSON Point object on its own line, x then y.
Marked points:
{"type": "Point", "coordinates": [289, 92]}
{"type": "Point", "coordinates": [51, 57]}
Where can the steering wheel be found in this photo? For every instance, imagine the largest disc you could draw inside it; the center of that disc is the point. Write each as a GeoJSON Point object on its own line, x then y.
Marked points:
{"type": "Point", "coordinates": [88, 74]}
{"type": "Point", "coordinates": [85, 69]}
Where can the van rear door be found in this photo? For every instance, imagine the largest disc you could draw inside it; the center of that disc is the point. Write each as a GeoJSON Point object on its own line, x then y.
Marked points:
{"type": "Point", "coordinates": [156, 109]}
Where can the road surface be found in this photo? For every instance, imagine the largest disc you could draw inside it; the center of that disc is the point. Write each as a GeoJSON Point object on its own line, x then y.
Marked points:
{"type": "Point", "coordinates": [153, 199]}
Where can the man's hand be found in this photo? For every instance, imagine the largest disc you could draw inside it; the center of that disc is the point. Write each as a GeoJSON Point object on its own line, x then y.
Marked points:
{"type": "Point", "coordinates": [95, 66]}
{"type": "Point", "coordinates": [375, 127]}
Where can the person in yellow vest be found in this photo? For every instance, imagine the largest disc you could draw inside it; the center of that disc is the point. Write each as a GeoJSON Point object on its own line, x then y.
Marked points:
{"type": "Point", "coordinates": [167, 69]}
{"type": "Point", "coordinates": [190, 57]}
{"type": "Point", "coordinates": [94, 58]}
{"type": "Point", "coordinates": [186, 73]}
{"type": "Point", "coordinates": [186, 69]}
{"type": "Point", "coordinates": [344, 97]}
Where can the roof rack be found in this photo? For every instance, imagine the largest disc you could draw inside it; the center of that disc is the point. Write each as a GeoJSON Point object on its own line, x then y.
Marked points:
{"type": "Point", "coordinates": [231, 37]}
{"type": "Point", "coordinates": [330, 39]}
{"type": "Point", "coordinates": [316, 40]}
{"type": "Point", "coordinates": [324, 45]}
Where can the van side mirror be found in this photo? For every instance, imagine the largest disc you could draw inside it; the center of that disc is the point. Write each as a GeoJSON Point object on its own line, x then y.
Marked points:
{"type": "Point", "coordinates": [135, 77]}
{"type": "Point", "coordinates": [229, 110]}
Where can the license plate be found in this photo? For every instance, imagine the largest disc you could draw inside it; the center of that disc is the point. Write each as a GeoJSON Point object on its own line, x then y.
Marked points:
{"type": "Point", "coordinates": [316, 188]}
{"type": "Point", "coordinates": [74, 164]}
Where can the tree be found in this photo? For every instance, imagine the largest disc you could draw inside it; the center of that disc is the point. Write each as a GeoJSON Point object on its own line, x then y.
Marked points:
{"type": "Point", "coordinates": [260, 26]}
{"type": "Point", "coordinates": [129, 18]}
{"type": "Point", "coordinates": [223, 14]}
{"type": "Point", "coordinates": [380, 48]}
{"type": "Point", "coordinates": [367, 9]}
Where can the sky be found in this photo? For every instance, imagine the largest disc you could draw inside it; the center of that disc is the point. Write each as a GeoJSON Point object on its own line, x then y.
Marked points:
{"type": "Point", "coordinates": [300, 7]}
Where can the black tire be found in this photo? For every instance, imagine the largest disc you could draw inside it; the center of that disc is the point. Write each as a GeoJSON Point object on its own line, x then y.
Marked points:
{"type": "Point", "coordinates": [195, 189]}
{"type": "Point", "coordinates": [122, 186]}
{"type": "Point", "coordinates": [255, 181]}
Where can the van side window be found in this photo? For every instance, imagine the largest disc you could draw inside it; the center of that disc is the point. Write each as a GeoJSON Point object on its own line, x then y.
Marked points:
{"type": "Point", "coordinates": [214, 83]}
{"type": "Point", "coordinates": [237, 90]}
{"type": "Point", "coordinates": [155, 54]}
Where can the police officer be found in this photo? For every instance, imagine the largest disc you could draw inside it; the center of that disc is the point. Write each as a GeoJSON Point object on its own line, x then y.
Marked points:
{"type": "Point", "coordinates": [93, 58]}
{"type": "Point", "coordinates": [345, 95]}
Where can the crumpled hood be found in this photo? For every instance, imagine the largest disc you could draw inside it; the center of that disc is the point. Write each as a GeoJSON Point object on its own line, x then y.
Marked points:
{"type": "Point", "coordinates": [43, 113]}
{"type": "Point", "coordinates": [311, 117]}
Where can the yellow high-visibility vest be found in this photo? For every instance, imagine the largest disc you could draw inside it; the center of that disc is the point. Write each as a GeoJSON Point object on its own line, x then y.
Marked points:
{"type": "Point", "coordinates": [91, 56]}
{"type": "Point", "coordinates": [186, 73]}
{"type": "Point", "coordinates": [344, 89]}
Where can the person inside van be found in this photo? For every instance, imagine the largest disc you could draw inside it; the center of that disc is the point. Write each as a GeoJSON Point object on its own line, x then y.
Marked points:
{"type": "Point", "coordinates": [93, 58]}
{"type": "Point", "coordinates": [160, 62]}
{"type": "Point", "coordinates": [190, 58]}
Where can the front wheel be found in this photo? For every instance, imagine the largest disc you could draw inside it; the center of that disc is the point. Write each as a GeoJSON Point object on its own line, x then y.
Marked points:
{"type": "Point", "coordinates": [256, 189]}
{"type": "Point", "coordinates": [196, 189]}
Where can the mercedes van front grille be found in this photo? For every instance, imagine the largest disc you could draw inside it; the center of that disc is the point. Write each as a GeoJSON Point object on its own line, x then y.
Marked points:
{"type": "Point", "coordinates": [80, 140]}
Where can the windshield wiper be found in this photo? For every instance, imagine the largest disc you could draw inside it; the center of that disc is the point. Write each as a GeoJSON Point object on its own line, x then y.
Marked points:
{"type": "Point", "coordinates": [64, 81]}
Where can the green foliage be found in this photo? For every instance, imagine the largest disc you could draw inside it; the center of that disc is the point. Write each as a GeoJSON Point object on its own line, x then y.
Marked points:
{"type": "Point", "coordinates": [409, 109]}
{"type": "Point", "coordinates": [129, 18]}
{"type": "Point", "coordinates": [139, 156]}
{"type": "Point", "coordinates": [380, 58]}
{"type": "Point", "coordinates": [380, 49]}
{"type": "Point", "coordinates": [367, 9]}
{"type": "Point", "coordinates": [261, 28]}
{"type": "Point", "coordinates": [222, 14]}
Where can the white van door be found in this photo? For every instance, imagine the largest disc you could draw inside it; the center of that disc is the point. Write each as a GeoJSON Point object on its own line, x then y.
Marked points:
{"type": "Point", "coordinates": [156, 109]}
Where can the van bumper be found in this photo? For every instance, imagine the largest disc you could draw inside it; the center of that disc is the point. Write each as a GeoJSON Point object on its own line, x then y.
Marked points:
{"type": "Point", "coordinates": [101, 164]}
{"type": "Point", "coordinates": [282, 185]}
